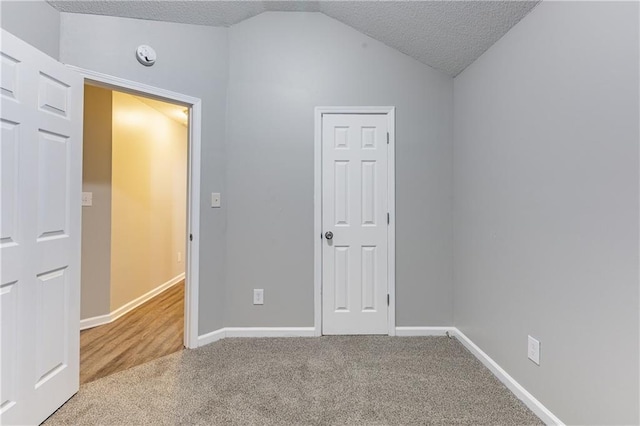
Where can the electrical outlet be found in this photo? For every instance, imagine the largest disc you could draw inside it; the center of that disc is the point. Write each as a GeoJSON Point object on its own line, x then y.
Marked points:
{"type": "Point", "coordinates": [179, 256]}
{"type": "Point", "coordinates": [258, 296]}
{"type": "Point", "coordinates": [215, 199]}
{"type": "Point", "coordinates": [533, 350]}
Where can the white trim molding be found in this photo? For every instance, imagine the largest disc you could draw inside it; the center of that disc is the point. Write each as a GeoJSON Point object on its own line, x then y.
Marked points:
{"type": "Point", "coordinates": [114, 315]}
{"type": "Point", "coordinates": [87, 323]}
{"type": "Point", "coordinates": [227, 332]}
{"type": "Point", "coordinates": [425, 331]}
{"type": "Point", "coordinates": [211, 337]}
{"type": "Point", "coordinates": [270, 331]}
{"type": "Point", "coordinates": [390, 112]}
{"type": "Point", "coordinates": [192, 255]}
{"type": "Point", "coordinates": [516, 388]}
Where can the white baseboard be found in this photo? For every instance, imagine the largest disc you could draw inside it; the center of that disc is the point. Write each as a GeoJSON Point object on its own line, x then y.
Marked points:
{"type": "Point", "coordinates": [226, 332]}
{"type": "Point", "coordinates": [424, 331]}
{"type": "Point", "coordinates": [145, 297]}
{"type": "Point", "coordinates": [114, 315]}
{"type": "Point", "coordinates": [270, 331]}
{"type": "Point", "coordinates": [211, 337]}
{"type": "Point", "coordinates": [95, 321]}
{"type": "Point", "coordinates": [523, 395]}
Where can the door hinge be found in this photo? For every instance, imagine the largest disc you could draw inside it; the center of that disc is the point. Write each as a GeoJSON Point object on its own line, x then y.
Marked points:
{"type": "Point", "coordinates": [387, 138]}
{"type": "Point", "coordinates": [388, 297]}
{"type": "Point", "coordinates": [190, 237]}
{"type": "Point", "coordinates": [388, 219]}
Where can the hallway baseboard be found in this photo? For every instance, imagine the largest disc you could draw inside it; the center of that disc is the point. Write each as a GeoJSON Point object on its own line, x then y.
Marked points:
{"type": "Point", "coordinates": [114, 315]}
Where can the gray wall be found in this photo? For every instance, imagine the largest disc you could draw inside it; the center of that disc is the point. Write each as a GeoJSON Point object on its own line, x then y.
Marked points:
{"type": "Point", "coordinates": [192, 60]}
{"type": "Point", "coordinates": [282, 65]}
{"type": "Point", "coordinates": [96, 220]}
{"type": "Point", "coordinates": [267, 178]}
{"type": "Point", "coordinates": [546, 207]}
{"type": "Point", "coordinates": [35, 22]}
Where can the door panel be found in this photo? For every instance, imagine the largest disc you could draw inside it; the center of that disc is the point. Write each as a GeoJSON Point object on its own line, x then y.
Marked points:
{"type": "Point", "coordinates": [354, 209]}
{"type": "Point", "coordinates": [52, 184]}
{"type": "Point", "coordinates": [341, 279]}
{"type": "Point", "coordinates": [9, 158]}
{"type": "Point", "coordinates": [40, 236]}
{"type": "Point", "coordinates": [8, 304]}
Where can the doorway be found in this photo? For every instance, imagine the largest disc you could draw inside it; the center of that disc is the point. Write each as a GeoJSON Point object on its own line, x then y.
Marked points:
{"type": "Point", "coordinates": [192, 253]}
{"type": "Point", "coordinates": [355, 220]}
{"type": "Point", "coordinates": [133, 230]}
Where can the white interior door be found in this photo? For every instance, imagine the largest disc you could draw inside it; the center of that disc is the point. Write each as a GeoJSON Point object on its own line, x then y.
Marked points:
{"type": "Point", "coordinates": [41, 161]}
{"type": "Point", "coordinates": [354, 224]}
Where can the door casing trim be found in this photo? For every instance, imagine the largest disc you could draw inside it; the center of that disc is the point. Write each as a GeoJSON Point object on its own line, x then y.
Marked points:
{"type": "Point", "coordinates": [390, 112]}
{"type": "Point", "coordinates": [192, 256]}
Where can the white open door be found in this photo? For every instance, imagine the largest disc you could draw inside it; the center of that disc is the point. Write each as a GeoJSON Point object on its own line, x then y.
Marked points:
{"type": "Point", "coordinates": [355, 206]}
{"type": "Point", "coordinates": [41, 171]}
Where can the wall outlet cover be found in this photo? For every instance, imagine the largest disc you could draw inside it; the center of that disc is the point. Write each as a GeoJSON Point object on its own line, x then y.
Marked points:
{"type": "Point", "coordinates": [258, 296]}
{"type": "Point", "coordinates": [533, 350]}
{"type": "Point", "coordinates": [215, 199]}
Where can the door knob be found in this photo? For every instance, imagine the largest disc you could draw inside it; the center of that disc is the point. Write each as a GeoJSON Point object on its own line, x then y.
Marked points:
{"type": "Point", "coordinates": [328, 235]}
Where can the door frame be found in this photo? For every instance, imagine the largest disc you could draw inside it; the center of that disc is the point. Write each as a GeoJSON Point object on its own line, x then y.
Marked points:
{"type": "Point", "coordinates": [192, 255]}
{"type": "Point", "coordinates": [390, 112]}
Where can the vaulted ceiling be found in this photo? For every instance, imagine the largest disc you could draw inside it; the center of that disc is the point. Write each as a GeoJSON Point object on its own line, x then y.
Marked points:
{"type": "Point", "coordinates": [447, 35]}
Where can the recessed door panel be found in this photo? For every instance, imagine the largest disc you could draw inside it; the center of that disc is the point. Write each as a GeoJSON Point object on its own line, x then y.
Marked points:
{"type": "Point", "coordinates": [9, 77]}
{"type": "Point", "coordinates": [341, 279]}
{"type": "Point", "coordinates": [368, 193]}
{"type": "Point", "coordinates": [51, 317]}
{"type": "Point", "coordinates": [53, 95]}
{"type": "Point", "coordinates": [8, 328]}
{"type": "Point", "coordinates": [341, 185]}
{"type": "Point", "coordinates": [9, 150]}
{"type": "Point", "coordinates": [368, 138]}
{"type": "Point", "coordinates": [369, 265]}
{"type": "Point", "coordinates": [341, 137]}
{"type": "Point", "coordinates": [53, 167]}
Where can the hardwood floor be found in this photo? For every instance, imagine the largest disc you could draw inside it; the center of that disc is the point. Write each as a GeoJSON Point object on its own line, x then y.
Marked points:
{"type": "Point", "coordinates": [150, 331]}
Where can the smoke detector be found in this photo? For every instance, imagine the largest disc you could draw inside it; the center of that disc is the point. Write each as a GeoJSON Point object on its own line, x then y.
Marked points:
{"type": "Point", "coordinates": [146, 55]}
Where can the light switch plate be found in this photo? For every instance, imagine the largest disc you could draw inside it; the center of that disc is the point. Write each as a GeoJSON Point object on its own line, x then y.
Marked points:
{"type": "Point", "coordinates": [215, 199]}
{"type": "Point", "coordinates": [87, 199]}
{"type": "Point", "coordinates": [533, 350]}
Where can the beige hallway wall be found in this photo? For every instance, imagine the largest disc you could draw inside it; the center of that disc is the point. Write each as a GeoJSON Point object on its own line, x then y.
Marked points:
{"type": "Point", "coordinates": [96, 219]}
{"type": "Point", "coordinates": [148, 210]}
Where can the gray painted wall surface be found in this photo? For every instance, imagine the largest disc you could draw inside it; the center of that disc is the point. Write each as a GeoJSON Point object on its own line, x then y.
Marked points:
{"type": "Point", "coordinates": [95, 286]}
{"type": "Point", "coordinates": [35, 22]}
{"type": "Point", "coordinates": [192, 60]}
{"type": "Point", "coordinates": [282, 65]}
{"type": "Point", "coordinates": [546, 207]}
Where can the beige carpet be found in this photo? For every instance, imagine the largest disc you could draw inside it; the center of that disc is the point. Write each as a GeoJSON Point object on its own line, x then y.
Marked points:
{"type": "Point", "coordinates": [303, 381]}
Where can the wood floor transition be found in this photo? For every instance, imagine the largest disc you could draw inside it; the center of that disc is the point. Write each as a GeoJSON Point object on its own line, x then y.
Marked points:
{"type": "Point", "coordinates": [152, 330]}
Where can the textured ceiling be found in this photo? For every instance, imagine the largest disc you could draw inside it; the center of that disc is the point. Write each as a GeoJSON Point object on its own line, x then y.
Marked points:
{"type": "Point", "coordinates": [447, 35]}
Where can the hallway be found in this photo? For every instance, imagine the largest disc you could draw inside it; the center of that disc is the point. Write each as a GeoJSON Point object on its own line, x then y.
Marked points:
{"type": "Point", "coordinates": [151, 331]}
